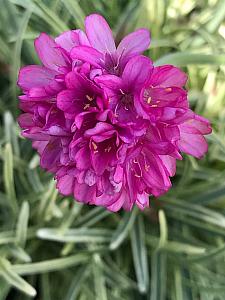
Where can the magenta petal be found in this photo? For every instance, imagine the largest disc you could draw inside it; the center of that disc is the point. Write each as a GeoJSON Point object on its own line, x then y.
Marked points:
{"type": "Point", "coordinates": [167, 76]}
{"type": "Point", "coordinates": [136, 72]}
{"type": "Point", "coordinates": [133, 44]}
{"type": "Point", "coordinates": [156, 176]}
{"type": "Point", "coordinates": [161, 147]}
{"type": "Point", "coordinates": [173, 115]}
{"type": "Point", "coordinates": [39, 146]}
{"type": "Point", "coordinates": [67, 102]}
{"type": "Point", "coordinates": [48, 52]}
{"type": "Point", "coordinates": [72, 38]}
{"type": "Point", "coordinates": [99, 33]}
{"type": "Point", "coordinates": [174, 97]}
{"type": "Point", "coordinates": [82, 159]}
{"type": "Point", "coordinates": [66, 41]}
{"type": "Point", "coordinates": [100, 128]}
{"type": "Point", "coordinates": [80, 118]}
{"type": "Point", "coordinates": [50, 156]}
{"type": "Point", "coordinates": [26, 120]}
{"type": "Point", "coordinates": [117, 203]}
{"type": "Point", "coordinates": [34, 76]}
{"type": "Point", "coordinates": [65, 185]}
{"type": "Point", "coordinates": [196, 125]}
{"type": "Point", "coordinates": [100, 161]}
{"type": "Point", "coordinates": [81, 84]}
{"type": "Point", "coordinates": [84, 193]}
{"type": "Point", "coordinates": [90, 177]}
{"type": "Point", "coordinates": [193, 144]}
{"type": "Point", "coordinates": [111, 82]}
{"type": "Point", "coordinates": [87, 54]}
{"type": "Point", "coordinates": [118, 175]}
{"type": "Point", "coordinates": [169, 163]}
{"type": "Point", "coordinates": [142, 200]}
{"type": "Point", "coordinates": [203, 124]}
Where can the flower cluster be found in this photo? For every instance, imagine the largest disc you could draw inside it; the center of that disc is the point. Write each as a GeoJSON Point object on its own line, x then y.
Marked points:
{"type": "Point", "coordinates": [106, 122]}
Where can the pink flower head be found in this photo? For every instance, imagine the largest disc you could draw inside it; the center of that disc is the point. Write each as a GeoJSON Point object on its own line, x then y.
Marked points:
{"type": "Point", "coordinates": [106, 122]}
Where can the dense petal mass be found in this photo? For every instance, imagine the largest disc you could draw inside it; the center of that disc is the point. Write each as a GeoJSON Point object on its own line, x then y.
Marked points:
{"type": "Point", "coordinates": [106, 122]}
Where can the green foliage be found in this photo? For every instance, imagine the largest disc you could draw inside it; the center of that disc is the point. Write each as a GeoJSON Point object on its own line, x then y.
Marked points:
{"type": "Point", "coordinates": [55, 248]}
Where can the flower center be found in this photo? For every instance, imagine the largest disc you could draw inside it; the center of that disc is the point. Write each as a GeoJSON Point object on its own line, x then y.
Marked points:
{"type": "Point", "coordinates": [126, 100]}
{"type": "Point", "coordinates": [112, 63]}
{"type": "Point", "coordinates": [89, 102]}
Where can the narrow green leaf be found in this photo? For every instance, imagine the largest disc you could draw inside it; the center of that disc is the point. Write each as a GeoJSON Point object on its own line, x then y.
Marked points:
{"type": "Point", "coordinates": [50, 265]}
{"type": "Point", "coordinates": [76, 283]}
{"type": "Point", "coordinates": [7, 237]}
{"type": "Point", "coordinates": [178, 284]}
{"type": "Point", "coordinates": [8, 177]}
{"type": "Point", "coordinates": [45, 287]}
{"type": "Point", "coordinates": [176, 247]}
{"type": "Point", "coordinates": [92, 217]}
{"type": "Point", "coordinates": [208, 256]}
{"type": "Point", "coordinates": [76, 12]}
{"type": "Point", "coordinates": [19, 253]}
{"type": "Point", "coordinates": [21, 229]}
{"type": "Point", "coordinates": [17, 50]}
{"type": "Point", "coordinates": [140, 254]}
{"type": "Point", "coordinates": [209, 196]}
{"type": "Point", "coordinates": [81, 235]}
{"type": "Point", "coordinates": [218, 17]}
{"type": "Point", "coordinates": [195, 211]}
{"type": "Point", "coordinates": [163, 229]}
{"type": "Point", "coordinates": [14, 279]}
{"type": "Point", "coordinates": [117, 276]}
{"type": "Point", "coordinates": [123, 229]}
{"type": "Point", "coordinates": [100, 287]}
{"type": "Point", "coordinates": [186, 58]}
{"type": "Point", "coordinates": [71, 216]}
{"type": "Point", "coordinates": [4, 288]}
{"type": "Point", "coordinates": [54, 20]}
{"type": "Point", "coordinates": [159, 276]}
{"type": "Point", "coordinates": [41, 10]}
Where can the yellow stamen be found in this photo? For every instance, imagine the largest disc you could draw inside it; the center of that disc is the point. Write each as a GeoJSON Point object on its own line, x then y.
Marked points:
{"type": "Point", "coordinates": [86, 106]}
{"type": "Point", "coordinates": [168, 90]}
{"type": "Point", "coordinates": [89, 98]}
{"type": "Point", "coordinates": [147, 168]}
{"type": "Point", "coordinates": [149, 100]}
{"type": "Point", "coordinates": [94, 146]}
{"type": "Point", "coordinates": [136, 175]}
{"type": "Point", "coordinates": [108, 149]}
{"type": "Point", "coordinates": [122, 92]}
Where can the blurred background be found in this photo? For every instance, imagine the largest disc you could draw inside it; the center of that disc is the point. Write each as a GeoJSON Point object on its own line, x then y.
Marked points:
{"type": "Point", "coordinates": [52, 248]}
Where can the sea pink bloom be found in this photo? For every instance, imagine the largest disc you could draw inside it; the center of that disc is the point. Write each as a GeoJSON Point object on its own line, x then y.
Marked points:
{"type": "Point", "coordinates": [102, 52]}
{"type": "Point", "coordinates": [106, 122]}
